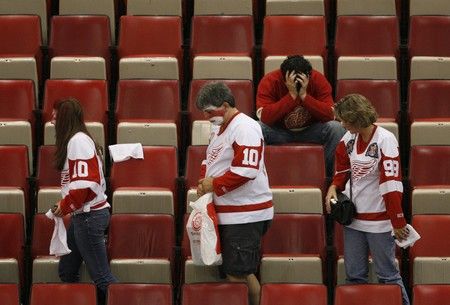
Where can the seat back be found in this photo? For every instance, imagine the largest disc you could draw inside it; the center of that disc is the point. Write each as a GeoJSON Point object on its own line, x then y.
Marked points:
{"type": "Point", "coordinates": [377, 36]}
{"type": "Point", "coordinates": [150, 36]}
{"type": "Point", "coordinates": [420, 174]}
{"type": "Point", "coordinates": [306, 163]}
{"type": "Point", "coordinates": [12, 239]}
{"type": "Point", "coordinates": [279, 30]}
{"type": "Point", "coordinates": [133, 294]}
{"type": "Point", "coordinates": [68, 294]}
{"type": "Point", "coordinates": [21, 36]}
{"type": "Point", "coordinates": [153, 236]}
{"type": "Point", "coordinates": [428, 36]}
{"type": "Point", "coordinates": [159, 168]}
{"type": "Point", "coordinates": [87, 7]}
{"type": "Point", "coordinates": [371, 294]}
{"type": "Point", "coordinates": [295, 234]}
{"type": "Point", "coordinates": [9, 294]}
{"type": "Point", "coordinates": [238, 30]}
{"type": "Point", "coordinates": [429, 257]}
{"type": "Point", "coordinates": [214, 293]}
{"type": "Point", "coordinates": [15, 170]}
{"type": "Point", "coordinates": [93, 97]}
{"type": "Point", "coordinates": [431, 294]}
{"type": "Point", "coordinates": [80, 36]}
{"type": "Point", "coordinates": [148, 99]}
{"type": "Point", "coordinates": [383, 94]}
{"type": "Point", "coordinates": [293, 294]}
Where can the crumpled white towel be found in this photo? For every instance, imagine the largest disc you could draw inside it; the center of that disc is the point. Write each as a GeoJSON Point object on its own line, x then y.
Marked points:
{"type": "Point", "coordinates": [123, 152]}
{"type": "Point", "coordinates": [412, 238]}
{"type": "Point", "coordinates": [58, 244]}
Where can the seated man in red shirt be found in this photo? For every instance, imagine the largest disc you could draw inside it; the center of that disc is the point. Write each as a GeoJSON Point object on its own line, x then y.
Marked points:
{"type": "Point", "coordinates": [294, 104]}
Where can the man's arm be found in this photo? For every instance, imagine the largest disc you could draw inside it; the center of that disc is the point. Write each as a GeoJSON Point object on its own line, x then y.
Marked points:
{"type": "Point", "coordinates": [319, 101]}
{"type": "Point", "coordinates": [273, 101]}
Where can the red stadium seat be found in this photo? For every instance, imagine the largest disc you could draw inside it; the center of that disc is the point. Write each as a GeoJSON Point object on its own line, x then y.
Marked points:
{"type": "Point", "coordinates": [305, 161]}
{"type": "Point", "coordinates": [12, 239]}
{"type": "Point", "coordinates": [14, 179]}
{"type": "Point", "coordinates": [293, 294]}
{"type": "Point", "coordinates": [151, 36]}
{"type": "Point", "coordinates": [430, 189]}
{"type": "Point", "coordinates": [238, 31]}
{"type": "Point", "coordinates": [420, 174]}
{"type": "Point", "coordinates": [45, 267]}
{"type": "Point", "coordinates": [136, 182]}
{"type": "Point", "coordinates": [383, 94]}
{"type": "Point", "coordinates": [48, 179]}
{"type": "Point", "coordinates": [428, 36]}
{"type": "Point", "coordinates": [67, 294]}
{"type": "Point", "coordinates": [217, 294]}
{"type": "Point", "coordinates": [146, 255]}
{"type": "Point", "coordinates": [21, 37]}
{"type": "Point", "coordinates": [310, 33]}
{"type": "Point", "coordinates": [144, 102]}
{"type": "Point", "coordinates": [429, 112]}
{"type": "Point", "coordinates": [135, 294]}
{"type": "Point", "coordinates": [293, 250]}
{"type": "Point", "coordinates": [431, 294]}
{"type": "Point", "coordinates": [93, 96]}
{"type": "Point", "coordinates": [429, 256]}
{"type": "Point", "coordinates": [9, 294]}
{"type": "Point", "coordinates": [17, 103]}
{"type": "Point", "coordinates": [369, 294]}
{"type": "Point", "coordinates": [81, 36]}
{"type": "Point", "coordinates": [299, 190]}
{"type": "Point", "coordinates": [367, 36]}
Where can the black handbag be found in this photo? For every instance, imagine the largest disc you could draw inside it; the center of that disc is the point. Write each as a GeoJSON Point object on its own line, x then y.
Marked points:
{"type": "Point", "coordinates": [344, 210]}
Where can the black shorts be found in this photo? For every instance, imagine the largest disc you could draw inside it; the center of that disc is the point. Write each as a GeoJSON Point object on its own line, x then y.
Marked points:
{"type": "Point", "coordinates": [241, 244]}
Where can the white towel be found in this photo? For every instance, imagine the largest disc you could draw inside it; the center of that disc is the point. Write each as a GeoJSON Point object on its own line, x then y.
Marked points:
{"type": "Point", "coordinates": [410, 240]}
{"type": "Point", "coordinates": [122, 152]}
{"type": "Point", "coordinates": [58, 244]}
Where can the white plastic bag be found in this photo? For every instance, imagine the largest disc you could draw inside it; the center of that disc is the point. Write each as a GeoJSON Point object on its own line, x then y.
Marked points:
{"type": "Point", "coordinates": [203, 232]}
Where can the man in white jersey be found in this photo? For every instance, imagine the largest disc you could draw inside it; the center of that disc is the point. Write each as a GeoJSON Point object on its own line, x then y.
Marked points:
{"type": "Point", "coordinates": [234, 171]}
{"type": "Point", "coordinates": [368, 155]}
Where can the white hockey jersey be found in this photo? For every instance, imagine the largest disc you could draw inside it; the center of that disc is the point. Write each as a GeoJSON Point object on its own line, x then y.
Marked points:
{"type": "Point", "coordinates": [82, 180]}
{"type": "Point", "coordinates": [235, 158]}
{"type": "Point", "coordinates": [376, 177]}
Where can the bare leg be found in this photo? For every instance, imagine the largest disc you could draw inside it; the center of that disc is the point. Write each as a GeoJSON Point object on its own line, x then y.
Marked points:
{"type": "Point", "coordinates": [254, 288]}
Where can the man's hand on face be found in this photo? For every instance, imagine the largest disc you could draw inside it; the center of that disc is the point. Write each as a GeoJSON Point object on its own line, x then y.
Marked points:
{"type": "Point", "coordinates": [290, 81]}
{"type": "Point", "coordinates": [302, 79]}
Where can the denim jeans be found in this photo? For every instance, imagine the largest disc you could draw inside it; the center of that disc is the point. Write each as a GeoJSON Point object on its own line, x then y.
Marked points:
{"type": "Point", "coordinates": [357, 245]}
{"type": "Point", "coordinates": [327, 134]}
{"type": "Point", "coordinates": [86, 239]}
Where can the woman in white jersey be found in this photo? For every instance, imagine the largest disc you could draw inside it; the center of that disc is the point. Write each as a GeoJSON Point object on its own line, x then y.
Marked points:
{"type": "Point", "coordinates": [369, 153]}
{"type": "Point", "coordinates": [83, 196]}
{"type": "Point", "coordinates": [234, 171]}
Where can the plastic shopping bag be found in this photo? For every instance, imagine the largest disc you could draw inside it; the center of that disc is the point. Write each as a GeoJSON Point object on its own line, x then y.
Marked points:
{"type": "Point", "coordinates": [203, 232]}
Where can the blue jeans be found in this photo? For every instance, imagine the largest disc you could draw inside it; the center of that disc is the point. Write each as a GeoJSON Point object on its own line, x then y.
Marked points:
{"type": "Point", "coordinates": [357, 245]}
{"type": "Point", "coordinates": [86, 239]}
{"type": "Point", "coordinates": [327, 134]}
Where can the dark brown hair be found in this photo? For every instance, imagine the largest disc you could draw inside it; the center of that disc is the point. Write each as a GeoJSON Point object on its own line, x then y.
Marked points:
{"type": "Point", "coordinates": [69, 121]}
